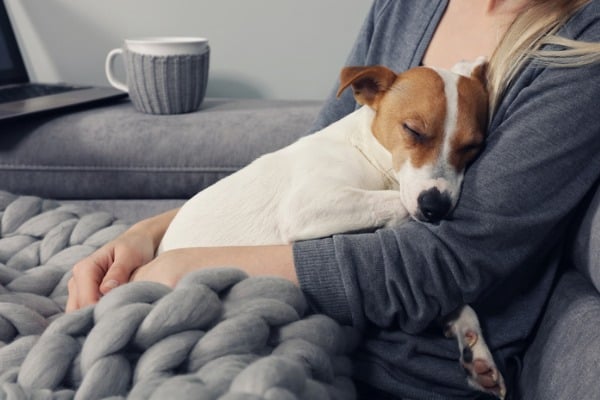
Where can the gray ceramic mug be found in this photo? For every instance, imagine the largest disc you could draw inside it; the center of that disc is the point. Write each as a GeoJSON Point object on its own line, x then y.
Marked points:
{"type": "Point", "coordinates": [165, 75]}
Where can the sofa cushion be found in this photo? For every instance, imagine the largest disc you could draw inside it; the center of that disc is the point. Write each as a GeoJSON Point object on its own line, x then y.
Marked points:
{"type": "Point", "coordinates": [562, 363]}
{"type": "Point", "coordinates": [586, 242]}
{"type": "Point", "coordinates": [117, 152]}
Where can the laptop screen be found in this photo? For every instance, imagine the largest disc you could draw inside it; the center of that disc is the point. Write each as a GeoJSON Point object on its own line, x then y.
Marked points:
{"type": "Point", "coordinates": [12, 69]}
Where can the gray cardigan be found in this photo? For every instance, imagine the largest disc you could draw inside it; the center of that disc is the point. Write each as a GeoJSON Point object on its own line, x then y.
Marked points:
{"type": "Point", "coordinates": [502, 250]}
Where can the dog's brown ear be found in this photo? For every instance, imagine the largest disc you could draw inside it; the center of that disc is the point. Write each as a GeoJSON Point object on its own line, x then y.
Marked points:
{"type": "Point", "coordinates": [368, 83]}
{"type": "Point", "coordinates": [476, 69]}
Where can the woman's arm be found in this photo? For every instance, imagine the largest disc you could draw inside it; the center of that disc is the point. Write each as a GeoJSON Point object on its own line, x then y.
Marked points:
{"type": "Point", "coordinates": [170, 266]}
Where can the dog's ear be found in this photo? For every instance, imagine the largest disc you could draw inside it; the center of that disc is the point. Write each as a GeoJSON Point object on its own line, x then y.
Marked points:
{"type": "Point", "coordinates": [474, 69]}
{"type": "Point", "coordinates": [368, 83]}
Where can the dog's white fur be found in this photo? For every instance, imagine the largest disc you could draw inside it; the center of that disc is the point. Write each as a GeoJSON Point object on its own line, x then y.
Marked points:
{"type": "Point", "coordinates": [336, 180]}
{"type": "Point", "coordinates": [340, 179]}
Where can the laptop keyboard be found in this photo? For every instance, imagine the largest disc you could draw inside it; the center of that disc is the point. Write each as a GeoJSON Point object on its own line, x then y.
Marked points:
{"type": "Point", "coordinates": [23, 92]}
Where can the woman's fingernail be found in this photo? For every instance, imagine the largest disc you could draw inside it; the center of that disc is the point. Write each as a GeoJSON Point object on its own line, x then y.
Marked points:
{"type": "Point", "coordinates": [111, 284]}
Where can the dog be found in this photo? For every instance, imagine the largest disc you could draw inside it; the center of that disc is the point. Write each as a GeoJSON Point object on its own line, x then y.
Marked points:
{"type": "Point", "coordinates": [401, 155]}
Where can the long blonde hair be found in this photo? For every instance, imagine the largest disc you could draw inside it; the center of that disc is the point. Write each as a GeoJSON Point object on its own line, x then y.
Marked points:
{"type": "Point", "coordinates": [535, 27]}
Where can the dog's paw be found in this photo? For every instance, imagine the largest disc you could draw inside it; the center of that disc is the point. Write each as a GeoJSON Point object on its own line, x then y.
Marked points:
{"type": "Point", "coordinates": [475, 355]}
{"type": "Point", "coordinates": [482, 372]}
{"type": "Point", "coordinates": [387, 208]}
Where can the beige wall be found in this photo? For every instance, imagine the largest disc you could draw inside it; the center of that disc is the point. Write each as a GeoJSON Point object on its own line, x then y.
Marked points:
{"type": "Point", "coordinates": [279, 49]}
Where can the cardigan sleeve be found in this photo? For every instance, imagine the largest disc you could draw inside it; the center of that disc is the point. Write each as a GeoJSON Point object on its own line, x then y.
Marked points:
{"type": "Point", "coordinates": [541, 158]}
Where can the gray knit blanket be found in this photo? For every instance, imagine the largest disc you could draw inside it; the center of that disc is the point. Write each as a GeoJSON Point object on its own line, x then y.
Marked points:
{"type": "Point", "coordinates": [217, 335]}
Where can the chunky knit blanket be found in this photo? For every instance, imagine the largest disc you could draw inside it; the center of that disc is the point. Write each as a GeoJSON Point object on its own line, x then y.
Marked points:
{"type": "Point", "coordinates": [217, 335]}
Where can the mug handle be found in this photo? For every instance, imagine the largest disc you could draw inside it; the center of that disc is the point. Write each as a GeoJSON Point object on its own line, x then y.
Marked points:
{"type": "Point", "coordinates": [109, 73]}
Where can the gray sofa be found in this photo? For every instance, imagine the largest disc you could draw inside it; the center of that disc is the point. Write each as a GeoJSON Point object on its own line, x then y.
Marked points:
{"type": "Point", "coordinates": [135, 165]}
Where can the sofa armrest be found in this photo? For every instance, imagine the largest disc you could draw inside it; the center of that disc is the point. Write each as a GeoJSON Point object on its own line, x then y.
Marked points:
{"type": "Point", "coordinates": [562, 362]}
{"type": "Point", "coordinates": [117, 152]}
{"type": "Point", "coordinates": [585, 247]}
{"type": "Point", "coordinates": [563, 359]}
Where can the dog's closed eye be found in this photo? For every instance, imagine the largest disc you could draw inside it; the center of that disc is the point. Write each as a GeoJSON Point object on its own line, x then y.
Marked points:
{"type": "Point", "coordinates": [414, 133]}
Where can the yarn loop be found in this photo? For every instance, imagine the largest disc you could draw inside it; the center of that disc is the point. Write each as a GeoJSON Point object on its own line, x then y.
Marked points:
{"type": "Point", "coordinates": [218, 334]}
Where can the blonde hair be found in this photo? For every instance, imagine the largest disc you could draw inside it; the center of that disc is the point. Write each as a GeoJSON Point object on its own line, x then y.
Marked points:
{"type": "Point", "coordinates": [535, 27]}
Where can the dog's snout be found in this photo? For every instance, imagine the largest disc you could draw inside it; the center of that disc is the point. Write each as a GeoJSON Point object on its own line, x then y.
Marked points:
{"type": "Point", "coordinates": [433, 205]}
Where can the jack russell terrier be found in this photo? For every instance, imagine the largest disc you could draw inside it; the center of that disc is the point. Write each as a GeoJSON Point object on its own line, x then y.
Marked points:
{"type": "Point", "coordinates": [401, 155]}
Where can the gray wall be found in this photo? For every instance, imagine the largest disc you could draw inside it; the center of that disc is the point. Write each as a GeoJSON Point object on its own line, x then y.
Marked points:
{"type": "Point", "coordinates": [278, 49]}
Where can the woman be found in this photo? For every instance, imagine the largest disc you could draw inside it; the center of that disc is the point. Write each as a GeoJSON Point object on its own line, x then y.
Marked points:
{"type": "Point", "coordinates": [500, 252]}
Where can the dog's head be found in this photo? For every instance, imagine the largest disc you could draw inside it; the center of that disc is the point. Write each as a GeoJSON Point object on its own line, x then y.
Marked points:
{"type": "Point", "coordinates": [432, 121]}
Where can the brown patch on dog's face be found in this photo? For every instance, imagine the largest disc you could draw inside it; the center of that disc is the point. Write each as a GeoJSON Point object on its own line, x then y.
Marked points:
{"type": "Point", "coordinates": [411, 116]}
{"type": "Point", "coordinates": [471, 123]}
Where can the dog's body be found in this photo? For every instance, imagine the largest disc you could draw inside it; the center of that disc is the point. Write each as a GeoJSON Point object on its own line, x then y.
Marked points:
{"type": "Point", "coordinates": [336, 180]}
{"type": "Point", "coordinates": [399, 156]}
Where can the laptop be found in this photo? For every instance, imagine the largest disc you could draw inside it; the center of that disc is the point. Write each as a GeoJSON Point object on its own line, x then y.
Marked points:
{"type": "Point", "coordinates": [19, 97]}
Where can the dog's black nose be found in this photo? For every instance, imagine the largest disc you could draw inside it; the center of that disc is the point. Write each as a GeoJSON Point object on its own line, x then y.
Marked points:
{"type": "Point", "coordinates": [434, 205]}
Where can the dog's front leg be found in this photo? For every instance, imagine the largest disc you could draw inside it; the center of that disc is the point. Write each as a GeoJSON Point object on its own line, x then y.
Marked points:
{"type": "Point", "coordinates": [346, 210]}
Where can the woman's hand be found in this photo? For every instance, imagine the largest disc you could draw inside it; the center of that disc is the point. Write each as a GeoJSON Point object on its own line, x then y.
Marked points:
{"type": "Point", "coordinates": [108, 267]}
{"type": "Point", "coordinates": [112, 264]}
